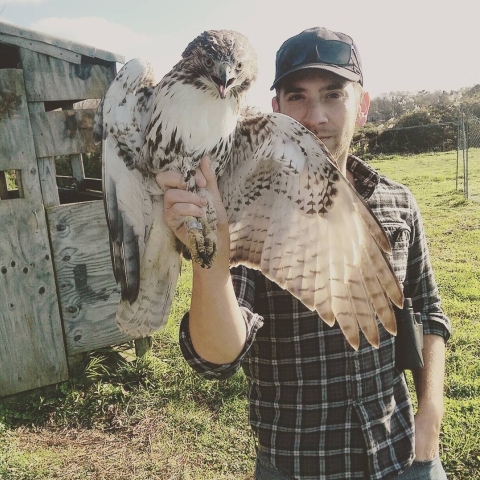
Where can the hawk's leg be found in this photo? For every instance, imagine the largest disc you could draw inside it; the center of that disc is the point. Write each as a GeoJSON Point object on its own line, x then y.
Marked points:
{"type": "Point", "coordinates": [210, 226]}
{"type": "Point", "coordinates": [202, 239]}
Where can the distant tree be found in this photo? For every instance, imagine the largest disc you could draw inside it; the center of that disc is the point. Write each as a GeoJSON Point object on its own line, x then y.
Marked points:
{"type": "Point", "coordinates": [411, 122]}
{"type": "Point", "coordinates": [390, 105]}
{"type": "Point", "coordinates": [413, 119]}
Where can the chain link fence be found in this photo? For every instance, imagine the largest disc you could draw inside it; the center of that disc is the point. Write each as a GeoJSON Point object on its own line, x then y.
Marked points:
{"type": "Point", "coordinates": [468, 156]}
{"type": "Point", "coordinates": [461, 133]}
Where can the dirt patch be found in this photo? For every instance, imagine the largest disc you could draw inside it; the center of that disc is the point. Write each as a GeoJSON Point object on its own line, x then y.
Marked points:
{"type": "Point", "coordinates": [139, 452]}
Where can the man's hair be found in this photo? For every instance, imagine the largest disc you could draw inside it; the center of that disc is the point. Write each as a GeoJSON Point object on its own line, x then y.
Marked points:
{"type": "Point", "coordinates": [358, 90]}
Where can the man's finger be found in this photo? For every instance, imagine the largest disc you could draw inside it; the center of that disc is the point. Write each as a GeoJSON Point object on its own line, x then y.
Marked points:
{"type": "Point", "coordinates": [209, 175]}
{"type": "Point", "coordinates": [170, 179]}
{"type": "Point", "coordinates": [174, 195]}
{"type": "Point", "coordinates": [181, 210]}
{"type": "Point", "coordinates": [200, 180]}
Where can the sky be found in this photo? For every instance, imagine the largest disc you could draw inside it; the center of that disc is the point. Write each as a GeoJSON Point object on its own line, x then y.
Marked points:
{"type": "Point", "coordinates": [410, 45]}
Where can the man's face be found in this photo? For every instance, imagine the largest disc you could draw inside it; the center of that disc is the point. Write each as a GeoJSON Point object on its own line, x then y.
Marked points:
{"type": "Point", "coordinates": [326, 104]}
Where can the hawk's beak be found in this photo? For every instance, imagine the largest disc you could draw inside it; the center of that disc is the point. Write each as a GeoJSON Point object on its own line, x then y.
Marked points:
{"type": "Point", "coordinates": [224, 79]}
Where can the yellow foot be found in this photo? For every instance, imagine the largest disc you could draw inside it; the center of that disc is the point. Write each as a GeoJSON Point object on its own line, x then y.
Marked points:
{"type": "Point", "coordinates": [203, 248]}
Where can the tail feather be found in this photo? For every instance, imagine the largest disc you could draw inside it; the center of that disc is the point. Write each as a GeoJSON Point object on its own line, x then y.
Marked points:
{"type": "Point", "coordinates": [160, 267]}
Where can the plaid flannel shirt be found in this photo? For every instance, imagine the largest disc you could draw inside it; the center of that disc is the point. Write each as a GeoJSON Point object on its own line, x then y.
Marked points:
{"type": "Point", "coordinates": [319, 409]}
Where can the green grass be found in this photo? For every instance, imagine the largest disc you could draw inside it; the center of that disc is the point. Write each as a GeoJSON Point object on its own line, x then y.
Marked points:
{"type": "Point", "coordinates": [126, 418]}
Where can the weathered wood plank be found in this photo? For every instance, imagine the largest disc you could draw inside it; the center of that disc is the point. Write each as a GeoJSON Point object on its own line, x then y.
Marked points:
{"type": "Point", "coordinates": [51, 79]}
{"type": "Point", "coordinates": [15, 132]}
{"type": "Point", "coordinates": [32, 351]}
{"type": "Point", "coordinates": [88, 292]}
{"type": "Point", "coordinates": [63, 132]}
{"type": "Point", "coordinates": [78, 170]}
{"type": "Point", "coordinates": [36, 107]}
{"type": "Point", "coordinates": [60, 43]}
{"type": "Point", "coordinates": [46, 172]}
{"type": "Point", "coordinates": [41, 47]}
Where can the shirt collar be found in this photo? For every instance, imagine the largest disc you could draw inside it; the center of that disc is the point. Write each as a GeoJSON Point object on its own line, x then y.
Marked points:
{"type": "Point", "coordinates": [366, 178]}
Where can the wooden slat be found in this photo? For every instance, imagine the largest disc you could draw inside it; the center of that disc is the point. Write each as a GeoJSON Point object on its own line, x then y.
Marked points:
{"type": "Point", "coordinates": [41, 47]}
{"type": "Point", "coordinates": [60, 43]}
{"type": "Point", "coordinates": [88, 293]}
{"type": "Point", "coordinates": [63, 132]}
{"type": "Point", "coordinates": [36, 107]}
{"type": "Point", "coordinates": [15, 137]}
{"type": "Point", "coordinates": [32, 350]}
{"type": "Point", "coordinates": [51, 79]}
{"type": "Point", "coordinates": [78, 171]}
{"type": "Point", "coordinates": [46, 172]}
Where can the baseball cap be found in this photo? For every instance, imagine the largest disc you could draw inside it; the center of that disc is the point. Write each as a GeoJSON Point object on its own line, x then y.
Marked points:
{"type": "Point", "coordinates": [319, 48]}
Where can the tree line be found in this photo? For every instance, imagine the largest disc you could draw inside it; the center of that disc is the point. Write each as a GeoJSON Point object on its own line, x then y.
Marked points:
{"type": "Point", "coordinates": [406, 122]}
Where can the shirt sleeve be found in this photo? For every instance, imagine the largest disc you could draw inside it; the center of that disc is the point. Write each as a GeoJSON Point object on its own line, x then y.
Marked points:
{"type": "Point", "coordinates": [420, 283]}
{"type": "Point", "coordinates": [244, 284]}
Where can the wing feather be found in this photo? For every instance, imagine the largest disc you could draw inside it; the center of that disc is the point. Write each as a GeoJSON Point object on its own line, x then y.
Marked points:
{"type": "Point", "coordinates": [132, 206]}
{"type": "Point", "coordinates": [295, 217]}
{"type": "Point", "coordinates": [127, 212]}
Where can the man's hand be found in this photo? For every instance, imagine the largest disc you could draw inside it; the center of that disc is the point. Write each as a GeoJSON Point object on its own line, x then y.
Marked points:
{"type": "Point", "coordinates": [178, 203]}
{"type": "Point", "coordinates": [427, 435]}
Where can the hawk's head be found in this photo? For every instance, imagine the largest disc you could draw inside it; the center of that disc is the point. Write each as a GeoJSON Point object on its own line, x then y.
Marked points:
{"type": "Point", "coordinates": [220, 60]}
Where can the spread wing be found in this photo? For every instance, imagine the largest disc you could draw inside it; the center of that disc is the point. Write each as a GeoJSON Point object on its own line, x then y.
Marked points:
{"type": "Point", "coordinates": [134, 216]}
{"type": "Point", "coordinates": [295, 217]}
{"type": "Point", "coordinates": [120, 122]}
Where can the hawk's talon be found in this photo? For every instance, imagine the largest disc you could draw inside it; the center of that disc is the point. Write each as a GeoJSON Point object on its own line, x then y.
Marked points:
{"type": "Point", "coordinates": [201, 241]}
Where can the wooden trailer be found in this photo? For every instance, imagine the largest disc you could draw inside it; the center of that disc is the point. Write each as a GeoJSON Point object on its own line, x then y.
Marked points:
{"type": "Point", "coordinates": [58, 295]}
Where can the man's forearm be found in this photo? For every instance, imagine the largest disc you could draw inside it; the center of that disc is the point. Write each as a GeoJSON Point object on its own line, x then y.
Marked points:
{"type": "Point", "coordinates": [217, 328]}
{"type": "Point", "coordinates": [429, 383]}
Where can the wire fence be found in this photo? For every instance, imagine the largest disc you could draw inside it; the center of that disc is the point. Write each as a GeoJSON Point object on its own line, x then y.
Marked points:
{"type": "Point", "coordinates": [412, 139]}
{"type": "Point", "coordinates": [468, 156]}
{"type": "Point", "coordinates": [462, 134]}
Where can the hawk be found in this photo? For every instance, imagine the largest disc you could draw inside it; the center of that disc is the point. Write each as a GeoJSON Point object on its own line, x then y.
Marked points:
{"type": "Point", "coordinates": [292, 214]}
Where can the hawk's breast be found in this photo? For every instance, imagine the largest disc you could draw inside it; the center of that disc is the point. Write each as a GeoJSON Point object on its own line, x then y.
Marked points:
{"type": "Point", "coordinates": [192, 120]}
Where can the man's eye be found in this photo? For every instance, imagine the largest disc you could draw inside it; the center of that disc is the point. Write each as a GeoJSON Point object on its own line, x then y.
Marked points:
{"type": "Point", "coordinates": [294, 98]}
{"type": "Point", "coordinates": [335, 95]}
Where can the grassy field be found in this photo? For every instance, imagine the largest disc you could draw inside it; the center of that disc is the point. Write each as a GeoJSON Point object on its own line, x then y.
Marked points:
{"type": "Point", "coordinates": [152, 418]}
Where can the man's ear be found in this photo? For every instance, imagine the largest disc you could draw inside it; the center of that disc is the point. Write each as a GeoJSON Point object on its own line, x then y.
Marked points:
{"type": "Point", "coordinates": [275, 106]}
{"type": "Point", "coordinates": [363, 110]}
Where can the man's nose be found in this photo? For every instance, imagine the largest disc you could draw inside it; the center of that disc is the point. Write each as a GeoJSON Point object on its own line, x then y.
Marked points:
{"type": "Point", "coordinates": [315, 115]}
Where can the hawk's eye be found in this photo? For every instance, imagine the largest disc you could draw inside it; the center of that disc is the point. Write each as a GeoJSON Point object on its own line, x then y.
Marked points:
{"type": "Point", "coordinates": [239, 65]}
{"type": "Point", "coordinates": [209, 62]}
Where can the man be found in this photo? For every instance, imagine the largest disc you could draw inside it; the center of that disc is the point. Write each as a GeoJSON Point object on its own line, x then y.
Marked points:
{"type": "Point", "coordinates": [319, 409]}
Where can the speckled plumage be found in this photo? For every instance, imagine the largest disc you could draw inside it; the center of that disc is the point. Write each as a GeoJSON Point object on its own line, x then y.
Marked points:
{"type": "Point", "coordinates": [292, 214]}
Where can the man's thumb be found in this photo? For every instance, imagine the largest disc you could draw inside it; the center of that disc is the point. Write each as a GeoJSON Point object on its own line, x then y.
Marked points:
{"type": "Point", "coordinates": [209, 174]}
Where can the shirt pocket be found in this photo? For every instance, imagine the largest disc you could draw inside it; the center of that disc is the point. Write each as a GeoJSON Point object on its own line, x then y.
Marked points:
{"type": "Point", "coordinates": [399, 235]}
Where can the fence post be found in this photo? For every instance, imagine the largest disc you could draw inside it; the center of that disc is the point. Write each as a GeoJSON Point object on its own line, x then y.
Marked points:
{"type": "Point", "coordinates": [458, 149]}
{"type": "Point", "coordinates": [467, 134]}
{"type": "Point", "coordinates": [464, 154]}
